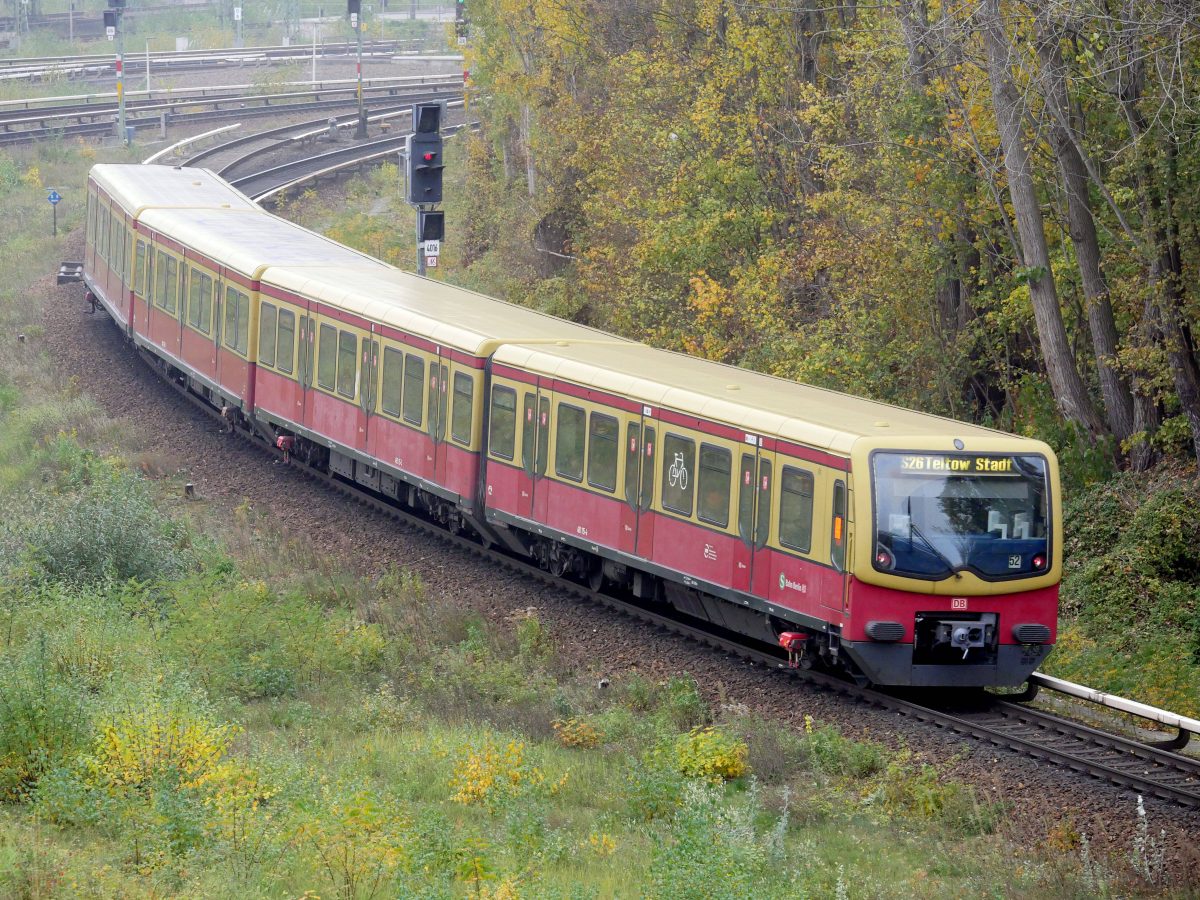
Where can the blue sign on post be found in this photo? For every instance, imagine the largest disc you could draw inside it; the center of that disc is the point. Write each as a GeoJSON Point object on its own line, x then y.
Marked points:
{"type": "Point", "coordinates": [54, 196]}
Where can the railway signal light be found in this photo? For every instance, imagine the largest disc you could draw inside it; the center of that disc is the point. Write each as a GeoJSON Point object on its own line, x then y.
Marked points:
{"type": "Point", "coordinates": [425, 155]}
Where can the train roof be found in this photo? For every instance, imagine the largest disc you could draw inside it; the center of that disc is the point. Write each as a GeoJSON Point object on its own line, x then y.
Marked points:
{"type": "Point", "coordinates": [755, 403]}
{"type": "Point", "coordinates": [451, 316]}
{"type": "Point", "coordinates": [250, 240]}
{"type": "Point", "coordinates": [138, 187]}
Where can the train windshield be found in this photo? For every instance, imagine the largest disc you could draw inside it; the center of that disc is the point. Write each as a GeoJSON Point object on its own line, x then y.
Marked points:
{"type": "Point", "coordinates": [936, 514]}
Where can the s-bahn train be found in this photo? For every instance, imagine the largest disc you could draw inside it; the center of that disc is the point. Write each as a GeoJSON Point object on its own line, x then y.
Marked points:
{"type": "Point", "coordinates": [902, 548]}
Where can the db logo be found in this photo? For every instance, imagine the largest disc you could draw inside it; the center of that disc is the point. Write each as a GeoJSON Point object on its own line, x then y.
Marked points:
{"type": "Point", "coordinates": [958, 602]}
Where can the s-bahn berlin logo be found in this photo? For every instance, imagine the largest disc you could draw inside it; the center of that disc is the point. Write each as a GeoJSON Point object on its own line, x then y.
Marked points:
{"type": "Point", "coordinates": [786, 583]}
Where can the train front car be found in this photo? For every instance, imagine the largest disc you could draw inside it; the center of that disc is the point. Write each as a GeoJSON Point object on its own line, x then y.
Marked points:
{"type": "Point", "coordinates": [957, 558]}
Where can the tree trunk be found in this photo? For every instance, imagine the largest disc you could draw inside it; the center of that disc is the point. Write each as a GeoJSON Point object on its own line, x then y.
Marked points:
{"type": "Point", "coordinates": [1118, 399]}
{"type": "Point", "coordinates": [1069, 390]}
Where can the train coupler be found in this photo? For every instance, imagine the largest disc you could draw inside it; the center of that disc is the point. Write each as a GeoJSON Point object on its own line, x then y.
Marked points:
{"type": "Point", "coordinates": [795, 643]}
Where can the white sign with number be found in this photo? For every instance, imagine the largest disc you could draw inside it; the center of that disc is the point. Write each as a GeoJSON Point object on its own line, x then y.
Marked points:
{"type": "Point", "coordinates": [353, 20]}
{"type": "Point", "coordinates": [433, 248]}
{"type": "Point", "coordinates": [237, 14]}
{"type": "Point", "coordinates": [431, 262]}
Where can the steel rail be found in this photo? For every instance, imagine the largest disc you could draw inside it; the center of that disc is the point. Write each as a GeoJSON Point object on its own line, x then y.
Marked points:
{"type": "Point", "coordinates": [301, 51]}
{"type": "Point", "coordinates": [1026, 731]}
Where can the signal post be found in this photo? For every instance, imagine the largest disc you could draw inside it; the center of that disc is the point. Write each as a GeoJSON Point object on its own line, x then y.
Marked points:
{"type": "Point", "coordinates": [423, 152]}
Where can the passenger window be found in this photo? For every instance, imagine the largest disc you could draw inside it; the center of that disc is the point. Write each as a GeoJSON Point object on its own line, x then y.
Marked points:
{"type": "Point", "coordinates": [543, 438]}
{"type": "Point", "coordinates": [347, 363]}
{"type": "Point", "coordinates": [243, 323]}
{"type": "Point", "coordinates": [679, 479]}
{"type": "Point", "coordinates": [102, 233]}
{"type": "Point", "coordinates": [437, 401]}
{"type": "Point", "coordinates": [326, 357]}
{"type": "Point", "coordinates": [568, 442]}
{"type": "Point", "coordinates": [795, 509]}
{"type": "Point", "coordinates": [837, 549]}
{"type": "Point", "coordinates": [285, 344]}
{"type": "Point", "coordinates": [464, 403]}
{"type": "Point", "coordinates": [502, 437]}
{"type": "Point", "coordinates": [172, 280]}
{"type": "Point", "coordinates": [91, 219]}
{"type": "Point", "coordinates": [715, 465]}
{"type": "Point", "coordinates": [268, 318]}
{"type": "Point", "coordinates": [160, 281]}
{"type": "Point", "coordinates": [528, 431]}
{"type": "Point", "coordinates": [200, 311]}
{"type": "Point", "coordinates": [603, 432]}
{"type": "Point", "coordinates": [231, 318]}
{"type": "Point", "coordinates": [206, 300]}
{"type": "Point", "coordinates": [762, 530]}
{"type": "Point", "coordinates": [114, 243]}
{"type": "Point", "coordinates": [393, 381]}
{"type": "Point", "coordinates": [414, 388]}
{"type": "Point", "coordinates": [746, 488]}
{"type": "Point", "coordinates": [647, 496]}
{"type": "Point", "coordinates": [139, 286]}
{"type": "Point", "coordinates": [633, 441]}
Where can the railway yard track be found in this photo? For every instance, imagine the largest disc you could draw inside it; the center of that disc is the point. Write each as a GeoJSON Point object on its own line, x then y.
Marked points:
{"type": "Point", "coordinates": [93, 120]}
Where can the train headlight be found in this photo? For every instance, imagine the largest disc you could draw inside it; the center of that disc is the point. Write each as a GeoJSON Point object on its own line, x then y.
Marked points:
{"type": "Point", "coordinates": [884, 558]}
{"type": "Point", "coordinates": [1039, 560]}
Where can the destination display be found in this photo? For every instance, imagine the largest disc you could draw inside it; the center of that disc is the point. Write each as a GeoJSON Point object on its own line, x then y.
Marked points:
{"type": "Point", "coordinates": [958, 465]}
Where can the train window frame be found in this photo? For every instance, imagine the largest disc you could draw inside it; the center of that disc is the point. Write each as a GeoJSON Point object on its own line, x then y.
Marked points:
{"type": "Point", "coordinates": [414, 390]}
{"type": "Point", "coordinates": [392, 377]}
{"type": "Point", "coordinates": [268, 335]}
{"type": "Point", "coordinates": [687, 488]}
{"type": "Point", "coordinates": [496, 439]}
{"type": "Point", "coordinates": [200, 311]}
{"type": "Point", "coordinates": [468, 416]}
{"type": "Point", "coordinates": [347, 364]}
{"type": "Point", "coordinates": [784, 491]}
{"type": "Point", "coordinates": [327, 363]}
{"type": "Point", "coordinates": [703, 488]}
{"type": "Point", "coordinates": [567, 419]}
{"type": "Point", "coordinates": [290, 343]}
{"type": "Point", "coordinates": [606, 478]}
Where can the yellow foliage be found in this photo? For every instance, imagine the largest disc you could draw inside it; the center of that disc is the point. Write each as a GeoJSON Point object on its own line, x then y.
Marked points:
{"type": "Point", "coordinates": [32, 177]}
{"type": "Point", "coordinates": [136, 748]}
{"type": "Point", "coordinates": [575, 732]}
{"type": "Point", "coordinates": [488, 774]}
{"type": "Point", "coordinates": [711, 754]}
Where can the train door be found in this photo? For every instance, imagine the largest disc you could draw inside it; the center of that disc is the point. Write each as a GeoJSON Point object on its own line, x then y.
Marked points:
{"type": "Point", "coordinates": [535, 446]}
{"type": "Point", "coordinates": [754, 522]}
{"type": "Point", "coordinates": [648, 461]}
{"type": "Point", "coordinates": [435, 417]}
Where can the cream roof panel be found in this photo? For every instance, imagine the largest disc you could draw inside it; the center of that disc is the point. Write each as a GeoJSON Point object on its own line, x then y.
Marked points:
{"type": "Point", "coordinates": [448, 315]}
{"type": "Point", "coordinates": [144, 186]}
{"type": "Point", "coordinates": [248, 240]}
{"type": "Point", "coordinates": [756, 403]}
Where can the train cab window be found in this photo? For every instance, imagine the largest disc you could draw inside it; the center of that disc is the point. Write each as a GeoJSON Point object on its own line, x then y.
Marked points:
{"type": "Point", "coordinates": [715, 466]}
{"type": "Point", "coordinates": [327, 357]}
{"type": "Point", "coordinates": [464, 406]}
{"type": "Point", "coordinates": [679, 474]}
{"type": "Point", "coordinates": [837, 542]}
{"type": "Point", "coordinates": [569, 442]}
{"type": "Point", "coordinates": [200, 302]}
{"type": "Point", "coordinates": [268, 318]}
{"type": "Point", "coordinates": [237, 320]}
{"type": "Point", "coordinates": [139, 285]}
{"type": "Point", "coordinates": [502, 436]}
{"type": "Point", "coordinates": [285, 344]}
{"type": "Point", "coordinates": [795, 509]}
{"type": "Point", "coordinates": [347, 363]}
{"type": "Point", "coordinates": [414, 388]}
{"type": "Point", "coordinates": [603, 434]}
{"type": "Point", "coordinates": [393, 381]}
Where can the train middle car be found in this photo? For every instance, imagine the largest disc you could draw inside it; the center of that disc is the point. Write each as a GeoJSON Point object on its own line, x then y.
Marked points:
{"type": "Point", "coordinates": [903, 548]}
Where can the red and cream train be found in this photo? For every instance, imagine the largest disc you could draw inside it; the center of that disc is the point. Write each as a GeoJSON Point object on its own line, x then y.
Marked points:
{"type": "Point", "coordinates": [906, 548]}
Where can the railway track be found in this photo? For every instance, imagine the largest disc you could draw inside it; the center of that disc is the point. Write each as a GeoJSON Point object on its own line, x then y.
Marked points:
{"type": "Point", "coordinates": [96, 120]}
{"type": "Point", "coordinates": [1030, 732]}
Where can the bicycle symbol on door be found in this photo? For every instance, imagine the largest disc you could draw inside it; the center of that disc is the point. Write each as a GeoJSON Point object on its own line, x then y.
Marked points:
{"type": "Point", "coordinates": [678, 473]}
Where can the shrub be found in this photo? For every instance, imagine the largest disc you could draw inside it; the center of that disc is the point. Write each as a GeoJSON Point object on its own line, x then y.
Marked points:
{"type": "Point", "coordinates": [486, 774]}
{"type": "Point", "coordinates": [358, 840]}
{"type": "Point", "coordinates": [576, 732]}
{"type": "Point", "coordinates": [922, 793]}
{"type": "Point", "coordinates": [831, 753]}
{"type": "Point", "coordinates": [712, 754]}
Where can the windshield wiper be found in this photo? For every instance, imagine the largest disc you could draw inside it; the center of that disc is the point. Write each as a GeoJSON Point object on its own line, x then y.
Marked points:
{"type": "Point", "coordinates": [932, 549]}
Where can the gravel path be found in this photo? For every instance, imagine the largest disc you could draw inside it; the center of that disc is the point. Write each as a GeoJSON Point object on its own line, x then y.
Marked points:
{"type": "Point", "coordinates": [227, 472]}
